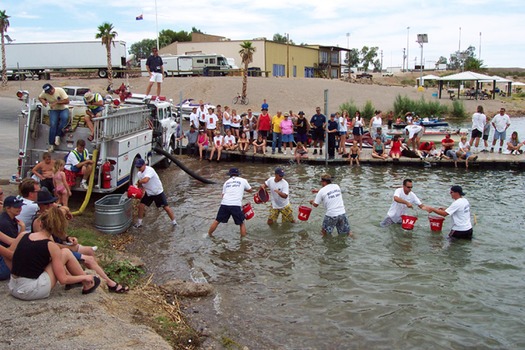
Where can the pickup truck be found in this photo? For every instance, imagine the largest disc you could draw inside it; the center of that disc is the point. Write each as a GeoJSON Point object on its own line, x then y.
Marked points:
{"type": "Point", "coordinates": [76, 93]}
{"type": "Point", "coordinates": [387, 74]}
{"type": "Point", "coordinates": [364, 76]}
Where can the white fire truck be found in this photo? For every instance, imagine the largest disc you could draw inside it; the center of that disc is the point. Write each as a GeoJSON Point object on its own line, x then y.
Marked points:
{"type": "Point", "coordinates": [125, 132]}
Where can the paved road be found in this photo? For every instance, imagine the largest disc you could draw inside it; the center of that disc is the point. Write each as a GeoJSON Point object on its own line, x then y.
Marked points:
{"type": "Point", "coordinates": [9, 111]}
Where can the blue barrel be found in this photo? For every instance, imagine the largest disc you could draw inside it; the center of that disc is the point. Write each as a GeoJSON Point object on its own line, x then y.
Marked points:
{"type": "Point", "coordinates": [113, 213]}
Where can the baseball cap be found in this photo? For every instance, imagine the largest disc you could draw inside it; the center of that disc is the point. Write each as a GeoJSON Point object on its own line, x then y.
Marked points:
{"type": "Point", "coordinates": [45, 197]}
{"type": "Point", "coordinates": [332, 115]}
{"type": "Point", "coordinates": [89, 96]}
{"type": "Point", "coordinates": [47, 87]}
{"type": "Point", "coordinates": [279, 171]}
{"type": "Point", "coordinates": [139, 163]}
{"type": "Point", "coordinates": [301, 113]}
{"type": "Point", "coordinates": [457, 189]}
{"type": "Point", "coordinates": [234, 172]}
{"type": "Point", "coordinates": [13, 202]}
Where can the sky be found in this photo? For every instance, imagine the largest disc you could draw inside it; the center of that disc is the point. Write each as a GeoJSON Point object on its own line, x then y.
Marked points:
{"type": "Point", "coordinates": [492, 27]}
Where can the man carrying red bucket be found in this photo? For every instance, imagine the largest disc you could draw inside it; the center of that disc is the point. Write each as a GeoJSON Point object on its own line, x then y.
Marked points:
{"type": "Point", "coordinates": [231, 204]}
{"type": "Point", "coordinates": [332, 199]}
{"type": "Point", "coordinates": [278, 188]}
{"type": "Point", "coordinates": [403, 198]}
{"type": "Point", "coordinates": [459, 211]}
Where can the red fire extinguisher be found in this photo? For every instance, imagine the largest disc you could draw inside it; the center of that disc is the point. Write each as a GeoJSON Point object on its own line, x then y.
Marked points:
{"type": "Point", "coordinates": [106, 175]}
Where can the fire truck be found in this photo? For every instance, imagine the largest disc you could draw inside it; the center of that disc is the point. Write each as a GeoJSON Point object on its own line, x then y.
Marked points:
{"type": "Point", "coordinates": [138, 127]}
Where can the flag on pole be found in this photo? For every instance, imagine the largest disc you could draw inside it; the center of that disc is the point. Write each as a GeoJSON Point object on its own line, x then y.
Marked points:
{"type": "Point", "coordinates": [139, 18]}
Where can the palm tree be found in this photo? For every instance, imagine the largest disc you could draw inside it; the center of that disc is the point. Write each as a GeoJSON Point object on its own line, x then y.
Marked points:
{"type": "Point", "coordinates": [246, 53]}
{"type": "Point", "coordinates": [107, 34]}
{"type": "Point", "coordinates": [4, 23]}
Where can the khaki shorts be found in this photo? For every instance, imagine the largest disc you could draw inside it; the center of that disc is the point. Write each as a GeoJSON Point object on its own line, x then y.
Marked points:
{"type": "Point", "coordinates": [286, 212]}
{"type": "Point", "coordinates": [29, 288]}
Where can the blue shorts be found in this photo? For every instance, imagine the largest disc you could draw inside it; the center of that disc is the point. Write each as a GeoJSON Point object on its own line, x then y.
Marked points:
{"type": "Point", "coordinates": [97, 110]}
{"type": "Point", "coordinates": [160, 200]}
{"type": "Point", "coordinates": [342, 132]}
{"type": "Point", "coordinates": [287, 137]}
{"type": "Point", "coordinates": [500, 135]}
{"type": "Point", "coordinates": [339, 222]}
{"type": "Point", "coordinates": [225, 211]}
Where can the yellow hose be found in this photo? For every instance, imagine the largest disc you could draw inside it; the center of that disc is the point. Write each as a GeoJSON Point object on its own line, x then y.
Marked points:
{"type": "Point", "coordinates": [91, 181]}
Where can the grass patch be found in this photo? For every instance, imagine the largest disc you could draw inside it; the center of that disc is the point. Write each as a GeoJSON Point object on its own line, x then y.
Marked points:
{"type": "Point", "coordinates": [367, 111]}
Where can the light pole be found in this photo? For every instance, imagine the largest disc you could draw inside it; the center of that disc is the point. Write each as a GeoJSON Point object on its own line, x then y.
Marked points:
{"type": "Point", "coordinates": [421, 39]}
{"type": "Point", "coordinates": [408, 35]}
{"type": "Point", "coordinates": [287, 55]}
{"type": "Point", "coordinates": [479, 53]}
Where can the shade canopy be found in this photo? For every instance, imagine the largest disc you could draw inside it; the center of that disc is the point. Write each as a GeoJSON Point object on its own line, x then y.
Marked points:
{"type": "Point", "coordinates": [464, 76]}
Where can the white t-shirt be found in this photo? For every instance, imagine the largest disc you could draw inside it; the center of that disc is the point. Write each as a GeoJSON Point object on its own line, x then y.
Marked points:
{"type": "Point", "coordinates": [233, 190]}
{"type": "Point", "coordinates": [218, 140]}
{"type": "Point", "coordinates": [236, 121]}
{"type": "Point", "coordinates": [398, 209]}
{"type": "Point", "coordinates": [376, 122]}
{"type": "Point", "coordinates": [201, 115]}
{"type": "Point", "coordinates": [229, 140]}
{"type": "Point", "coordinates": [459, 211]}
{"type": "Point", "coordinates": [72, 159]}
{"type": "Point", "coordinates": [332, 199]}
{"type": "Point", "coordinates": [226, 119]}
{"type": "Point", "coordinates": [342, 124]}
{"type": "Point", "coordinates": [211, 121]}
{"type": "Point", "coordinates": [28, 213]}
{"type": "Point", "coordinates": [277, 201]}
{"type": "Point", "coordinates": [194, 120]}
{"type": "Point", "coordinates": [478, 121]}
{"type": "Point", "coordinates": [153, 187]}
{"type": "Point", "coordinates": [501, 122]}
{"type": "Point", "coordinates": [413, 130]}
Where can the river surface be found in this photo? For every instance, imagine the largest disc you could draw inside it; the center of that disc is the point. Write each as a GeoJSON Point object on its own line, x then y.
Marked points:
{"type": "Point", "coordinates": [286, 287]}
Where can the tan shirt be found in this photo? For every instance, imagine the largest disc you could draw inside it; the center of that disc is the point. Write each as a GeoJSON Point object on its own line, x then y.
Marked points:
{"type": "Point", "coordinates": [58, 95]}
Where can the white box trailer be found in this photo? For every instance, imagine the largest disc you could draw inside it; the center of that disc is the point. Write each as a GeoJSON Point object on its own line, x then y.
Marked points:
{"type": "Point", "coordinates": [39, 57]}
{"type": "Point", "coordinates": [173, 65]}
{"type": "Point", "coordinates": [197, 64]}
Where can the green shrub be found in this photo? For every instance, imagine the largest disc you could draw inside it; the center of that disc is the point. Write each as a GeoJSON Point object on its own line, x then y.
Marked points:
{"type": "Point", "coordinates": [350, 107]}
{"type": "Point", "coordinates": [368, 110]}
{"type": "Point", "coordinates": [402, 105]}
{"type": "Point", "coordinates": [124, 272]}
{"type": "Point", "coordinates": [458, 110]}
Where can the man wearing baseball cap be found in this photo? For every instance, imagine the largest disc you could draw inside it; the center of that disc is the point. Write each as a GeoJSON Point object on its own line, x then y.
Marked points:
{"type": "Point", "coordinates": [57, 100]}
{"type": "Point", "coordinates": [279, 191]}
{"type": "Point", "coordinates": [154, 192]}
{"type": "Point", "coordinates": [231, 204]}
{"type": "Point", "coordinates": [459, 211]}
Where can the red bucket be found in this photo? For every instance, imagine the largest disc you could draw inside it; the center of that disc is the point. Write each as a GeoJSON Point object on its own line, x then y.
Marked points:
{"type": "Point", "coordinates": [263, 195]}
{"type": "Point", "coordinates": [304, 213]}
{"type": "Point", "coordinates": [408, 222]}
{"type": "Point", "coordinates": [135, 192]}
{"type": "Point", "coordinates": [256, 199]}
{"type": "Point", "coordinates": [436, 223]}
{"type": "Point", "coordinates": [248, 211]}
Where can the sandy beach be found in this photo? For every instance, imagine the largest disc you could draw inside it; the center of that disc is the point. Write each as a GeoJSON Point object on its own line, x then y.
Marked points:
{"type": "Point", "coordinates": [283, 94]}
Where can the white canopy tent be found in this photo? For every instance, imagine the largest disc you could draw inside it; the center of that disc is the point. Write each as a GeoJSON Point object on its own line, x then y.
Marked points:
{"type": "Point", "coordinates": [466, 76]}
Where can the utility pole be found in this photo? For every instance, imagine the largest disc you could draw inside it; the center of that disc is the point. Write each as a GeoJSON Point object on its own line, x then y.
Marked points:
{"type": "Point", "coordinates": [479, 52]}
{"type": "Point", "coordinates": [287, 55]}
{"type": "Point", "coordinates": [404, 57]}
{"type": "Point", "coordinates": [381, 68]}
{"type": "Point", "coordinates": [408, 35]}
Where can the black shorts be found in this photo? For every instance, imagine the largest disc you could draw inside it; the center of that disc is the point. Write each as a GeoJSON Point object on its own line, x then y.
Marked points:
{"type": "Point", "coordinates": [263, 133]}
{"type": "Point", "coordinates": [357, 130]}
{"type": "Point", "coordinates": [48, 183]}
{"type": "Point", "coordinates": [476, 133]}
{"type": "Point", "coordinates": [318, 134]}
{"type": "Point", "coordinates": [225, 211]}
{"type": "Point", "coordinates": [160, 200]}
{"type": "Point", "coordinates": [486, 136]}
{"type": "Point", "coordinates": [461, 234]}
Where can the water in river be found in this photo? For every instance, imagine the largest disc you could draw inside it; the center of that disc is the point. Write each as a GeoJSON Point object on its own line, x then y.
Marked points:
{"type": "Point", "coordinates": [286, 287]}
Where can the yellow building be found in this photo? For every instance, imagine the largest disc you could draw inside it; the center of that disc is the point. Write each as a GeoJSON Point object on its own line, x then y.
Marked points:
{"type": "Point", "coordinates": [278, 59]}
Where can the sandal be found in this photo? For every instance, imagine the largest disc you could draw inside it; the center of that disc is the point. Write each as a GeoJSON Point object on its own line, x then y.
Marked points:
{"type": "Point", "coordinates": [90, 137]}
{"type": "Point", "coordinates": [96, 282]}
{"type": "Point", "coordinates": [115, 289]}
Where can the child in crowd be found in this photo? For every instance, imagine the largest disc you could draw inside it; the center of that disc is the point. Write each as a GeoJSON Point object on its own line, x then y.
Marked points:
{"type": "Point", "coordinates": [514, 145]}
{"type": "Point", "coordinates": [244, 143]}
{"type": "Point", "coordinates": [437, 153]}
{"type": "Point", "coordinates": [259, 145]}
{"type": "Point", "coordinates": [229, 142]}
{"type": "Point", "coordinates": [300, 152]}
{"type": "Point", "coordinates": [378, 150]}
{"type": "Point", "coordinates": [62, 190]}
{"type": "Point", "coordinates": [218, 144]}
{"type": "Point", "coordinates": [202, 142]}
{"type": "Point", "coordinates": [354, 153]}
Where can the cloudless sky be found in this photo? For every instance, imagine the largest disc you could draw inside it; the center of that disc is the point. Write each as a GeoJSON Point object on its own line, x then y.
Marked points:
{"type": "Point", "coordinates": [450, 25]}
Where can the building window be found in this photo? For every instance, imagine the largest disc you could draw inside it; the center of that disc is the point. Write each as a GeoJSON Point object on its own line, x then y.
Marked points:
{"type": "Point", "coordinates": [278, 70]}
{"type": "Point", "coordinates": [308, 72]}
{"type": "Point", "coordinates": [323, 57]}
{"type": "Point", "coordinates": [334, 57]}
{"type": "Point", "coordinates": [294, 71]}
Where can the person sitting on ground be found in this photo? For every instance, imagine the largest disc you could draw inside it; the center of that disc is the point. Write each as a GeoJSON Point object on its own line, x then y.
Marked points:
{"type": "Point", "coordinates": [95, 106]}
{"type": "Point", "coordinates": [378, 149]}
{"type": "Point", "coordinates": [38, 263]}
{"type": "Point", "coordinates": [379, 132]}
{"type": "Point", "coordinates": [244, 143]}
{"type": "Point", "coordinates": [9, 224]}
{"type": "Point", "coordinates": [437, 153]}
{"type": "Point", "coordinates": [229, 142]}
{"type": "Point", "coordinates": [192, 136]}
{"type": "Point", "coordinates": [448, 149]}
{"type": "Point", "coordinates": [78, 162]}
{"type": "Point", "coordinates": [425, 148]}
{"type": "Point", "coordinates": [464, 151]}
{"type": "Point", "coordinates": [85, 254]}
{"type": "Point", "coordinates": [62, 189]}
{"type": "Point", "coordinates": [301, 152]}
{"type": "Point", "coordinates": [514, 144]}
{"type": "Point", "coordinates": [28, 189]}
{"type": "Point", "coordinates": [259, 145]}
{"type": "Point", "coordinates": [44, 171]}
{"type": "Point", "coordinates": [203, 142]}
{"type": "Point", "coordinates": [355, 151]}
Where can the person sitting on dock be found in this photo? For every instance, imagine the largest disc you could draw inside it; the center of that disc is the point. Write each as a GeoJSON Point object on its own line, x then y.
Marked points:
{"type": "Point", "coordinates": [218, 144]}
{"type": "Point", "coordinates": [354, 153]}
{"type": "Point", "coordinates": [464, 151]}
{"type": "Point", "coordinates": [514, 145]}
{"type": "Point", "coordinates": [379, 133]}
{"type": "Point", "coordinates": [301, 152]}
{"type": "Point", "coordinates": [229, 141]}
{"type": "Point", "coordinates": [378, 149]}
{"type": "Point", "coordinates": [191, 135]}
{"type": "Point", "coordinates": [203, 142]}
{"type": "Point", "coordinates": [395, 149]}
{"type": "Point", "coordinates": [259, 145]}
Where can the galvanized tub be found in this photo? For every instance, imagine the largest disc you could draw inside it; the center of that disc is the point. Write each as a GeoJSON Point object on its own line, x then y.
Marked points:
{"type": "Point", "coordinates": [113, 213]}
